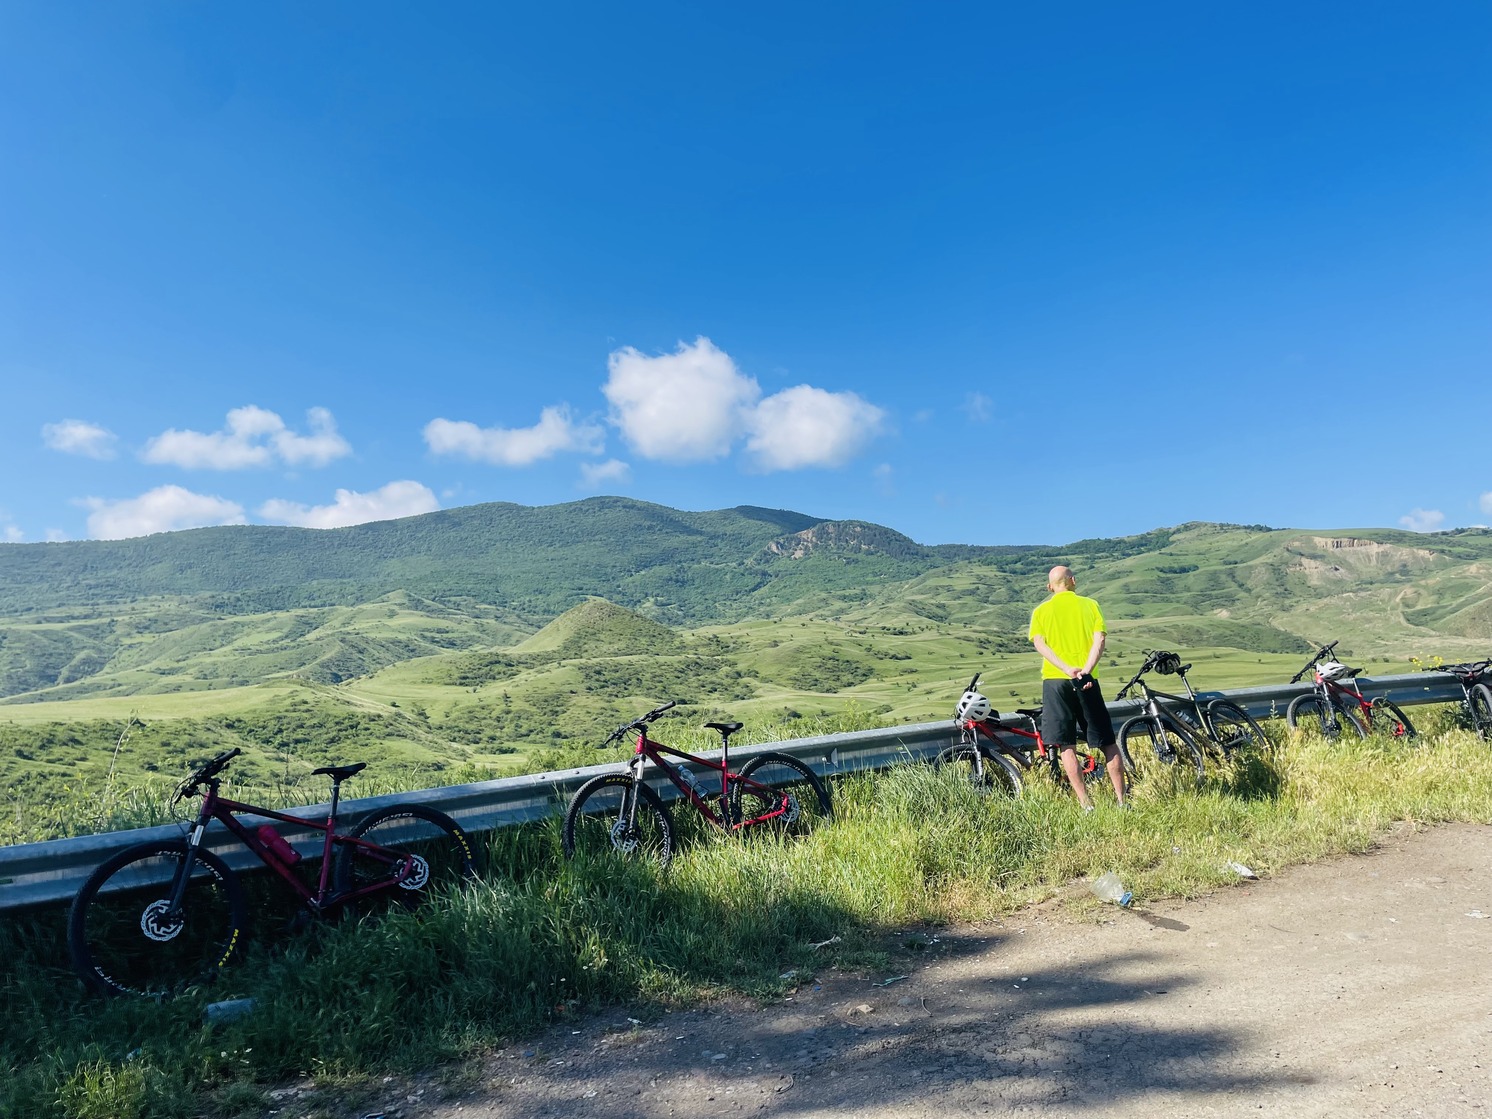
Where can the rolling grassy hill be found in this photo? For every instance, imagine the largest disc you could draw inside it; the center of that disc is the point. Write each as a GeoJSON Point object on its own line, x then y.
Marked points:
{"type": "Point", "coordinates": [498, 639]}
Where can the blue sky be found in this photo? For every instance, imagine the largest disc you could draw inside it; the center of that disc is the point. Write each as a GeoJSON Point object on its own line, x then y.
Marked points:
{"type": "Point", "coordinates": [982, 273]}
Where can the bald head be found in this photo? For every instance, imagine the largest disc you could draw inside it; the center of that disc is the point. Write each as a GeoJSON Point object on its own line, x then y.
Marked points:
{"type": "Point", "coordinates": [1060, 578]}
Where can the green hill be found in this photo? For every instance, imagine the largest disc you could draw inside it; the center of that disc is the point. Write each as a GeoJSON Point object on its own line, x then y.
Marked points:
{"type": "Point", "coordinates": [496, 639]}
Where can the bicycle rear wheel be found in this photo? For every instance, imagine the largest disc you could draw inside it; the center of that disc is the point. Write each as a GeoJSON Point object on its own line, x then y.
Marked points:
{"type": "Point", "coordinates": [1148, 744]}
{"type": "Point", "coordinates": [1234, 729]}
{"type": "Point", "coordinates": [1388, 718]}
{"type": "Point", "coordinates": [807, 797]}
{"type": "Point", "coordinates": [613, 814]}
{"type": "Point", "coordinates": [441, 852]}
{"type": "Point", "coordinates": [121, 939]}
{"type": "Point", "coordinates": [1480, 702]}
{"type": "Point", "coordinates": [1311, 713]}
{"type": "Point", "coordinates": [984, 768]}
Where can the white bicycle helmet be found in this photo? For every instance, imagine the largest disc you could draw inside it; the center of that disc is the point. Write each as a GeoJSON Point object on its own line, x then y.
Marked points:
{"type": "Point", "coordinates": [972, 706]}
{"type": "Point", "coordinates": [1332, 670]}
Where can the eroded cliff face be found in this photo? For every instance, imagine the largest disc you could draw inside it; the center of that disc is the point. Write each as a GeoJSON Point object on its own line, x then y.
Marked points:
{"type": "Point", "coordinates": [1344, 558]}
{"type": "Point", "coordinates": [845, 536]}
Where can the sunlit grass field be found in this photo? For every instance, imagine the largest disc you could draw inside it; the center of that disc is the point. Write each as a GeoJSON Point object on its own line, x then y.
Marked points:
{"type": "Point", "coordinates": [538, 938]}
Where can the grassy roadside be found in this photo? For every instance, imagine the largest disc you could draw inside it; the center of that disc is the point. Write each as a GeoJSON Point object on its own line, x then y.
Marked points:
{"type": "Point", "coordinates": [539, 939]}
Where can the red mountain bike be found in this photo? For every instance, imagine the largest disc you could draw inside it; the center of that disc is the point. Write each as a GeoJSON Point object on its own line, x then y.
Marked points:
{"type": "Point", "coordinates": [992, 761]}
{"type": "Point", "coordinates": [617, 813]}
{"type": "Point", "coordinates": [161, 916]}
{"type": "Point", "coordinates": [1336, 703]}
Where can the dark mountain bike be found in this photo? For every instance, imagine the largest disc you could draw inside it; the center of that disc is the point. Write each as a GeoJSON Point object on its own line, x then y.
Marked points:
{"type": "Point", "coordinates": [1183, 728]}
{"type": "Point", "coordinates": [1335, 704]}
{"type": "Point", "coordinates": [161, 916]}
{"type": "Point", "coordinates": [617, 813]}
{"type": "Point", "coordinates": [1475, 679]}
{"type": "Point", "coordinates": [992, 761]}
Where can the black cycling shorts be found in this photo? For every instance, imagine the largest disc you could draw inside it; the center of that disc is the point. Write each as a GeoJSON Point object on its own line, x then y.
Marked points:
{"type": "Point", "coordinates": [1067, 709]}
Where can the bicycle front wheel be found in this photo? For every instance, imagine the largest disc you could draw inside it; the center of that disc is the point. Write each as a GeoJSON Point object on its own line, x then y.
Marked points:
{"type": "Point", "coordinates": [807, 797]}
{"type": "Point", "coordinates": [1310, 712]}
{"type": "Point", "coordinates": [1146, 742]}
{"type": "Point", "coordinates": [1480, 702]}
{"type": "Point", "coordinates": [123, 940]}
{"type": "Point", "coordinates": [417, 851]}
{"type": "Point", "coordinates": [1234, 729]}
{"type": "Point", "coordinates": [1388, 718]}
{"type": "Point", "coordinates": [614, 814]}
{"type": "Point", "coordinates": [987, 770]}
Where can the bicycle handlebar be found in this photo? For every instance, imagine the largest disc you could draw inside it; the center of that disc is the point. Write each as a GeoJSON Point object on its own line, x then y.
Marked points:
{"type": "Point", "coordinates": [974, 682]}
{"type": "Point", "coordinates": [636, 723]}
{"type": "Point", "coordinates": [206, 773]}
{"type": "Point", "coordinates": [1150, 655]}
{"type": "Point", "coordinates": [1466, 668]}
{"type": "Point", "coordinates": [1324, 651]}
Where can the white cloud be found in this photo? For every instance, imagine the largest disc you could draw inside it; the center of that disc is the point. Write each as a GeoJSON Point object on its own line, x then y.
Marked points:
{"type": "Point", "coordinates": [515, 446]}
{"type": "Point", "coordinates": [79, 437]}
{"type": "Point", "coordinates": [1422, 520]}
{"type": "Point", "coordinates": [805, 426]}
{"type": "Point", "coordinates": [978, 407]}
{"type": "Point", "coordinates": [595, 475]}
{"type": "Point", "coordinates": [1485, 502]}
{"type": "Point", "coordinates": [163, 509]}
{"type": "Point", "coordinates": [56, 536]}
{"type": "Point", "coordinates": [885, 476]}
{"type": "Point", "coordinates": [11, 534]}
{"type": "Point", "coordinates": [680, 407]}
{"type": "Point", "coordinates": [397, 499]}
{"type": "Point", "coordinates": [252, 436]}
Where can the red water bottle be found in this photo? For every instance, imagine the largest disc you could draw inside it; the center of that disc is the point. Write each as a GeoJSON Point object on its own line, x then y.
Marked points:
{"type": "Point", "coordinates": [276, 843]}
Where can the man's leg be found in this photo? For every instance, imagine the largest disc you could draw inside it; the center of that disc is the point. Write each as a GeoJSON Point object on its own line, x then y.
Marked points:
{"type": "Point", "coordinates": [1115, 765]}
{"type": "Point", "coordinates": [1101, 735]}
{"type": "Point", "coordinates": [1069, 755]}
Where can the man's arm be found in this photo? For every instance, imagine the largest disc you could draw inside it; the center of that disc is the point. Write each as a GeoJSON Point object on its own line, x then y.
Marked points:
{"type": "Point", "coordinates": [1050, 657]}
{"type": "Point", "coordinates": [1095, 652]}
{"type": "Point", "coordinates": [1100, 639]}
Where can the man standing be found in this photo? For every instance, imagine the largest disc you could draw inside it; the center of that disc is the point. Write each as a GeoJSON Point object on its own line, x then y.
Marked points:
{"type": "Point", "coordinates": [1068, 631]}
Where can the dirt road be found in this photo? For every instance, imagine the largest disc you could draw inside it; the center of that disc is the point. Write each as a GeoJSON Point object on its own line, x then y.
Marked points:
{"type": "Point", "coordinates": [1355, 987]}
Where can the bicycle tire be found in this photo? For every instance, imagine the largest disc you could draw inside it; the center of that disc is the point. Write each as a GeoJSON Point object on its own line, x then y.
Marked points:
{"type": "Point", "coordinates": [809, 800]}
{"type": "Point", "coordinates": [596, 821]}
{"type": "Point", "coordinates": [1330, 721]}
{"type": "Point", "coordinates": [443, 853]}
{"type": "Point", "coordinates": [1158, 741]}
{"type": "Point", "coordinates": [986, 769]}
{"type": "Point", "coordinates": [1480, 703]}
{"type": "Point", "coordinates": [1396, 723]}
{"type": "Point", "coordinates": [115, 935]}
{"type": "Point", "coordinates": [1234, 729]}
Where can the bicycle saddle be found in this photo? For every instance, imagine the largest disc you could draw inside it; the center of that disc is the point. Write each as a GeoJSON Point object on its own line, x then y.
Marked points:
{"type": "Point", "coordinates": [341, 772]}
{"type": "Point", "coordinates": [1029, 712]}
{"type": "Point", "coordinates": [726, 729]}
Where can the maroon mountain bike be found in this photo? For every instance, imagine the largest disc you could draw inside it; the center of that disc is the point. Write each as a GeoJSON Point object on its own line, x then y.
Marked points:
{"type": "Point", "coordinates": [162, 916]}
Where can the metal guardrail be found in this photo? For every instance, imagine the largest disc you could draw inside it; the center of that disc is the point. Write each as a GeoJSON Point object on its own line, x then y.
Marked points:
{"type": "Point", "coordinates": [40, 873]}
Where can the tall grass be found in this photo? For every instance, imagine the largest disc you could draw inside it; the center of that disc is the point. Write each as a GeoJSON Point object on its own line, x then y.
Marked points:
{"type": "Point", "coordinates": [539, 938]}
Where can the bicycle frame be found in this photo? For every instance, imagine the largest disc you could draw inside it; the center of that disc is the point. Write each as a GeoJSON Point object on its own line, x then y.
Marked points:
{"type": "Point", "coordinates": [1028, 756]}
{"type": "Point", "coordinates": [220, 808]}
{"type": "Point", "coordinates": [649, 750]}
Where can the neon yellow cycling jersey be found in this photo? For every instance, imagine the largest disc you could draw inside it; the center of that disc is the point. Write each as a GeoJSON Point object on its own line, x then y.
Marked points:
{"type": "Point", "coordinates": [1067, 622]}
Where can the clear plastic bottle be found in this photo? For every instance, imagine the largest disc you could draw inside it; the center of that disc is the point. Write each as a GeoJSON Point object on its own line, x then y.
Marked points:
{"type": "Point", "coordinates": [1107, 887]}
{"type": "Point", "coordinates": [692, 781]}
